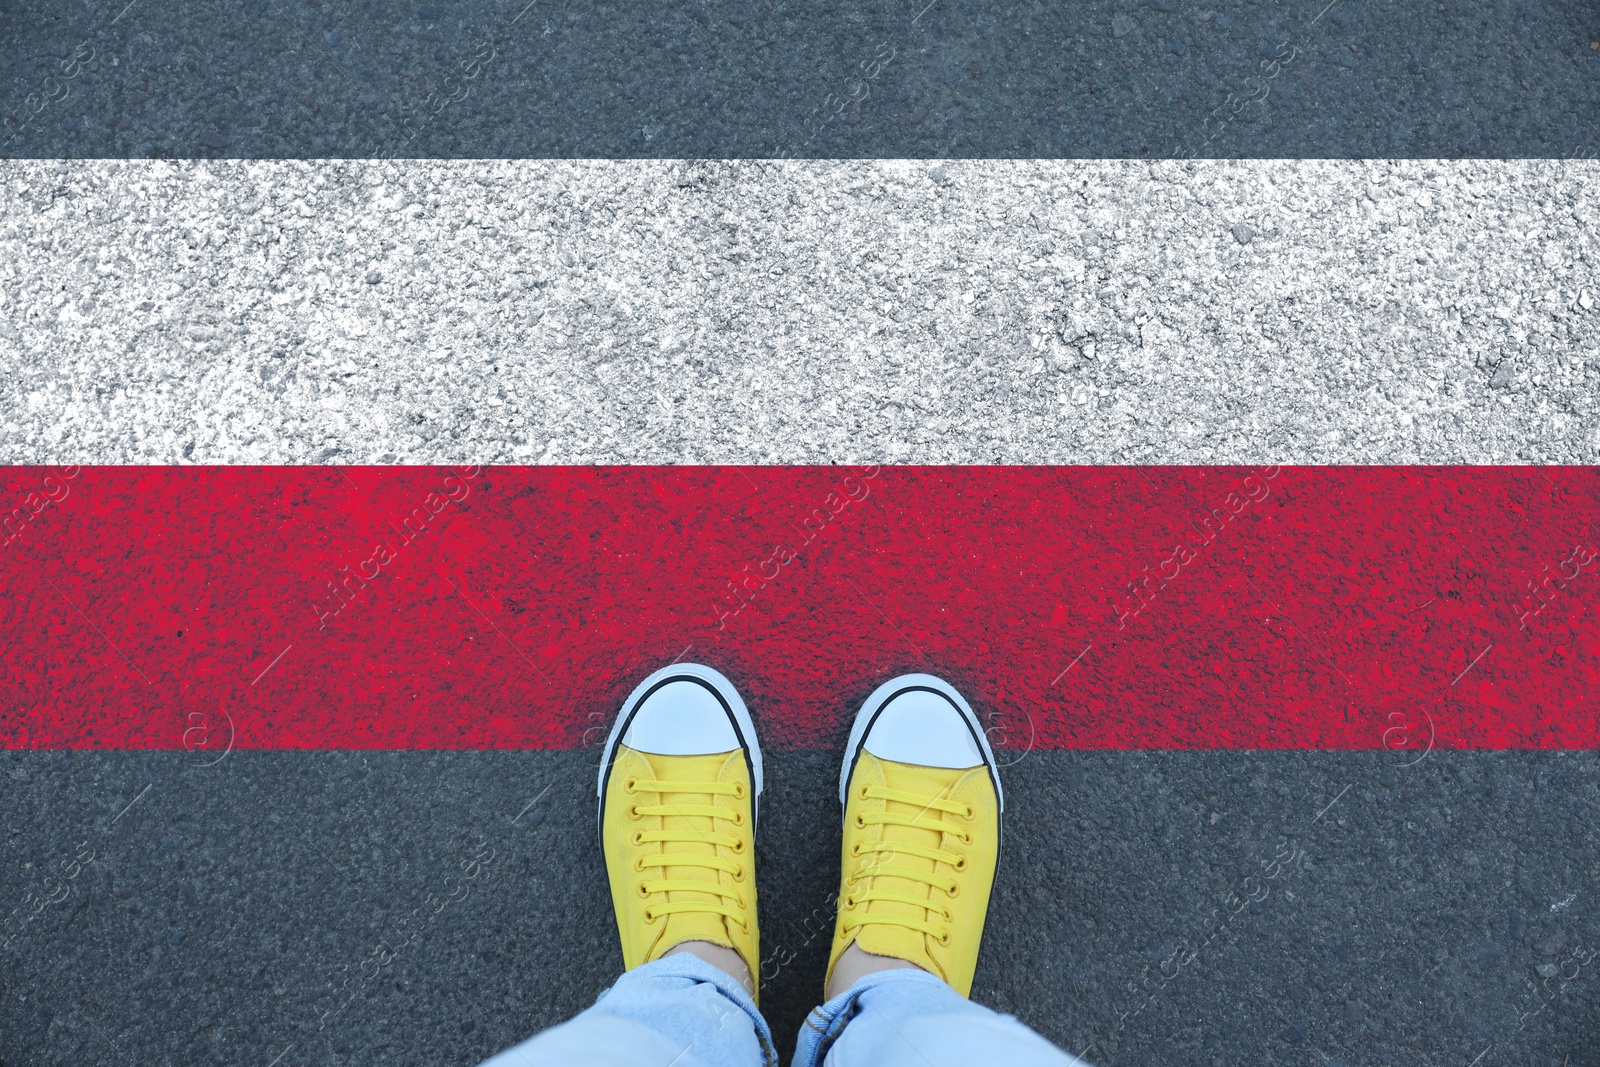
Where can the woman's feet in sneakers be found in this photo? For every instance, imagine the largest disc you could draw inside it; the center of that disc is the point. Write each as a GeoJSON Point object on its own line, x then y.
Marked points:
{"type": "Point", "coordinates": [922, 805]}
{"type": "Point", "coordinates": [679, 786]}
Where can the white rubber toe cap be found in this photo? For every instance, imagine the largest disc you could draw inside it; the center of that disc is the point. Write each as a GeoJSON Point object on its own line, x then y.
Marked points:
{"type": "Point", "coordinates": [683, 709]}
{"type": "Point", "coordinates": [682, 718]}
{"type": "Point", "coordinates": [924, 729]}
{"type": "Point", "coordinates": [922, 720]}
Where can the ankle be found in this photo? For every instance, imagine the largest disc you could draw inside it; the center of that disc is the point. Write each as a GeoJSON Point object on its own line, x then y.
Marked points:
{"type": "Point", "coordinates": [724, 959]}
{"type": "Point", "coordinates": [855, 964]}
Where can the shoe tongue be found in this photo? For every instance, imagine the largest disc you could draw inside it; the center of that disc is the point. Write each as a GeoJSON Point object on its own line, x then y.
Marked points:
{"type": "Point", "coordinates": [930, 783]}
{"type": "Point", "coordinates": [692, 926]}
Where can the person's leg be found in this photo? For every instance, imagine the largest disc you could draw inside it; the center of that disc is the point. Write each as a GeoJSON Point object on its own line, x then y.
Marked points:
{"type": "Point", "coordinates": [922, 803]}
{"type": "Point", "coordinates": [679, 783]}
{"type": "Point", "coordinates": [909, 1018]}
{"type": "Point", "coordinates": [678, 1010]}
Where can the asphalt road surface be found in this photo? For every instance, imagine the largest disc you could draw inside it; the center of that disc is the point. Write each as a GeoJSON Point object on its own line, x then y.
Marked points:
{"type": "Point", "coordinates": [480, 79]}
{"type": "Point", "coordinates": [1110, 233]}
{"type": "Point", "coordinates": [431, 908]}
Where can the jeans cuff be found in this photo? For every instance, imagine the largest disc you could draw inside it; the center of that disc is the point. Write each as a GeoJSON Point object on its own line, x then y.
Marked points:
{"type": "Point", "coordinates": [826, 1023]}
{"type": "Point", "coordinates": [689, 967]}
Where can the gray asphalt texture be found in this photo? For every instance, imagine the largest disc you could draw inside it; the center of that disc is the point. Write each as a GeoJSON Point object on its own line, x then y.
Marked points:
{"type": "Point", "coordinates": [970, 311]}
{"type": "Point", "coordinates": [1398, 907]}
{"type": "Point", "coordinates": [279, 909]}
{"type": "Point", "coordinates": [908, 79]}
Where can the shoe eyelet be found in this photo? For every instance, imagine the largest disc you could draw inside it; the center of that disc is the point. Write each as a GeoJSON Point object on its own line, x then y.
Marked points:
{"type": "Point", "coordinates": [960, 864]}
{"type": "Point", "coordinates": [862, 792]}
{"type": "Point", "coordinates": [650, 916]}
{"type": "Point", "coordinates": [861, 823]}
{"type": "Point", "coordinates": [855, 849]}
{"type": "Point", "coordinates": [954, 891]}
{"type": "Point", "coordinates": [738, 818]}
{"type": "Point", "coordinates": [851, 880]}
{"type": "Point", "coordinates": [738, 790]}
{"type": "Point", "coordinates": [971, 812]}
{"type": "Point", "coordinates": [633, 812]}
{"type": "Point", "coordinates": [638, 837]}
{"type": "Point", "coordinates": [944, 942]}
{"type": "Point", "coordinates": [638, 865]}
{"type": "Point", "coordinates": [849, 903]}
{"type": "Point", "coordinates": [965, 839]}
{"type": "Point", "coordinates": [741, 903]}
{"type": "Point", "coordinates": [627, 787]}
{"type": "Point", "coordinates": [738, 847]}
{"type": "Point", "coordinates": [738, 876]}
{"type": "Point", "coordinates": [745, 926]}
{"type": "Point", "coordinates": [947, 916]}
{"type": "Point", "coordinates": [644, 893]}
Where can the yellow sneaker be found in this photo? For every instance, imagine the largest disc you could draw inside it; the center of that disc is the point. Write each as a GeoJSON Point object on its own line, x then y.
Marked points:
{"type": "Point", "coordinates": [922, 805]}
{"type": "Point", "coordinates": [680, 781]}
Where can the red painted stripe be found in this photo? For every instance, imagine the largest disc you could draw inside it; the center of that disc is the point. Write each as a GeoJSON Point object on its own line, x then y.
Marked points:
{"type": "Point", "coordinates": [1120, 607]}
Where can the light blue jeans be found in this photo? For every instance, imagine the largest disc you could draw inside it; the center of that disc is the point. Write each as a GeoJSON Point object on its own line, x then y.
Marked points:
{"type": "Point", "coordinates": [682, 1012]}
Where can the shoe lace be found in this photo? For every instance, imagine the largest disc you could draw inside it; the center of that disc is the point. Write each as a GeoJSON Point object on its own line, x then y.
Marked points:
{"type": "Point", "coordinates": [928, 816]}
{"type": "Point", "coordinates": [678, 829]}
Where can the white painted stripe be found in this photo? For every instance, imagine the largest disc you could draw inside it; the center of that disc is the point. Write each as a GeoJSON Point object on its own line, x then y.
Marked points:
{"type": "Point", "coordinates": [974, 311]}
